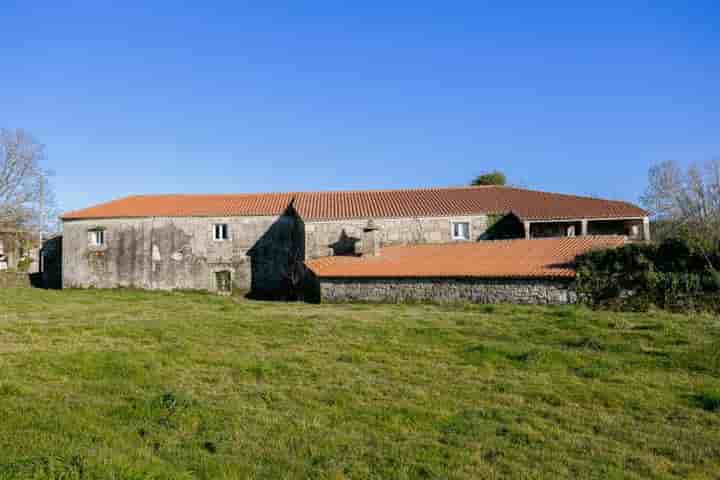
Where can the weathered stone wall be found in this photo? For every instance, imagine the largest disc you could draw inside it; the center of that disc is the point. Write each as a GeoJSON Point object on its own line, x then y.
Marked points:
{"type": "Point", "coordinates": [180, 253]}
{"type": "Point", "coordinates": [340, 237]}
{"type": "Point", "coordinates": [14, 280]}
{"type": "Point", "coordinates": [175, 253]}
{"type": "Point", "coordinates": [443, 290]}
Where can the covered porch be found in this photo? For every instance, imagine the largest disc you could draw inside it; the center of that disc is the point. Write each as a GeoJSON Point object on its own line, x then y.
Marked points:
{"type": "Point", "coordinates": [635, 229]}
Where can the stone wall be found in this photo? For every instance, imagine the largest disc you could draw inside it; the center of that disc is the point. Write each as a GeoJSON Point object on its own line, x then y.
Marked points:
{"type": "Point", "coordinates": [340, 237]}
{"type": "Point", "coordinates": [176, 253]}
{"type": "Point", "coordinates": [14, 280]}
{"type": "Point", "coordinates": [180, 252]}
{"type": "Point", "coordinates": [442, 290]}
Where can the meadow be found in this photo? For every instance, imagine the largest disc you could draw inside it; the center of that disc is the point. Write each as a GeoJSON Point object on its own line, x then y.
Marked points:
{"type": "Point", "coordinates": [128, 384]}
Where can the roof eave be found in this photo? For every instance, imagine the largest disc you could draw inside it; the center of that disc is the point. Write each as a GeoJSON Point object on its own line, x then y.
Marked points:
{"type": "Point", "coordinates": [569, 276]}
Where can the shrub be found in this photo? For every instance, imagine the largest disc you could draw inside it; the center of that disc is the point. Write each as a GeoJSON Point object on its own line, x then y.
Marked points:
{"type": "Point", "coordinates": [672, 275]}
{"type": "Point", "coordinates": [23, 264]}
{"type": "Point", "coordinates": [709, 400]}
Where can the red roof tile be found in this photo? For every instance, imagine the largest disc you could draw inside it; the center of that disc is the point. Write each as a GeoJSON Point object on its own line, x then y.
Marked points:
{"type": "Point", "coordinates": [425, 202]}
{"type": "Point", "coordinates": [537, 258]}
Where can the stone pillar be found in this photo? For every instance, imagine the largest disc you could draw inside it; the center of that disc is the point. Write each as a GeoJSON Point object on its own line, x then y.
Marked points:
{"type": "Point", "coordinates": [370, 240]}
{"type": "Point", "coordinates": [583, 227]}
{"type": "Point", "coordinates": [646, 229]}
{"type": "Point", "coordinates": [527, 230]}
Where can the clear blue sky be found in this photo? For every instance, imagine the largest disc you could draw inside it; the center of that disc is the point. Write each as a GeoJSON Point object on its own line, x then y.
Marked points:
{"type": "Point", "coordinates": [149, 97]}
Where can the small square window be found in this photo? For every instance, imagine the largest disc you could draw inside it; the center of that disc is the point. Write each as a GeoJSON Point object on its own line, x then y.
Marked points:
{"type": "Point", "coordinates": [461, 231]}
{"type": "Point", "coordinates": [97, 238]}
{"type": "Point", "coordinates": [221, 232]}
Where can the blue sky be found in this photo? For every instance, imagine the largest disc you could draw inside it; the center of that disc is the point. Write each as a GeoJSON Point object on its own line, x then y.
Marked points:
{"type": "Point", "coordinates": [150, 97]}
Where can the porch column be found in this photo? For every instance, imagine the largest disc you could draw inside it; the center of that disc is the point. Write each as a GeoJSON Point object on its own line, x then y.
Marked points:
{"type": "Point", "coordinates": [646, 229]}
{"type": "Point", "coordinates": [527, 230]}
{"type": "Point", "coordinates": [584, 227]}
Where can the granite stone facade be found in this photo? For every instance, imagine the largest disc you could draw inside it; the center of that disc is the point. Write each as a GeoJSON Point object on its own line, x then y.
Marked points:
{"type": "Point", "coordinates": [447, 290]}
{"type": "Point", "coordinates": [341, 237]}
{"type": "Point", "coordinates": [177, 253]}
{"type": "Point", "coordinates": [181, 253]}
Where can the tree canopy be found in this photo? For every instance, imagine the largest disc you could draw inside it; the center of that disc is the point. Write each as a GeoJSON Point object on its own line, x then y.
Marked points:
{"type": "Point", "coordinates": [26, 197]}
{"type": "Point", "coordinates": [686, 203]}
{"type": "Point", "coordinates": [495, 177]}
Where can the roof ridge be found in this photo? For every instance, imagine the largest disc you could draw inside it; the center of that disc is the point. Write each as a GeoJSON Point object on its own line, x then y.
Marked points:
{"type": "Point", "coordinates": [381, 190]}
{"type": "Point", "coordinates": [345, 204]}
{"type": "Point", "coordinates": [371, 190]}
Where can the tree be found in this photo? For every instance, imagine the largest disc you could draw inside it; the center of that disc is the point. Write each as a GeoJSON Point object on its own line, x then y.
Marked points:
{"type": "Point", "coordinates": [26, 196]}
{"type": "Point", "coordinates": [687, 203]}
{"type": "Point", "coordinates": [495, 177]}
{"type": "Point", "coordinates": [684, 196]}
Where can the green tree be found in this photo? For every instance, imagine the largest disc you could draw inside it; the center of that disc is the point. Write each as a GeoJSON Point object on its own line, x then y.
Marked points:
{"type": "Point", "coordinates": [495, 177]}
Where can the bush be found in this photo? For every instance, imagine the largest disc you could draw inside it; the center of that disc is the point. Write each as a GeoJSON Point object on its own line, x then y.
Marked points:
{"type": "Point", "coordinates": [23, 264]}
{"type": "Point", "coordinates": [709, 400]}
{"type": "Point", "coordinates": [671, 275]}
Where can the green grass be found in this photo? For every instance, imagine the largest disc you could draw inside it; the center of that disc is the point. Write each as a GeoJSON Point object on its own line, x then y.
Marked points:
{"type": "Point", "coordinates": [130, 385]}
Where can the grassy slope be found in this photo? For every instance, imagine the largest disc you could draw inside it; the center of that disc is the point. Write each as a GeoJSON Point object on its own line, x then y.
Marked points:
{"type": "Point", "coordinates": [125, 384]}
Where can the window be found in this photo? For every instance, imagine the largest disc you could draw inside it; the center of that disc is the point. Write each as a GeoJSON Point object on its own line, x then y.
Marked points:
{"type": "Point", "coordinates": [223, 281]}
{"type": "Point", "coordinates": [461, 231]}
{"type": "Point", "coordinates": [220, 232]}
{"type": "Point", "coordinates": [97, 238]}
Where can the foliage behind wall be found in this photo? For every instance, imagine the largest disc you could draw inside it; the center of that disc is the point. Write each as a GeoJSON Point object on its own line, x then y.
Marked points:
{"type": "Point", "coordinates": [671, 275]}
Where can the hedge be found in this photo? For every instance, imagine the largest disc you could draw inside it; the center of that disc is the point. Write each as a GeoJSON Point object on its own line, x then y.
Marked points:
{"type": "Point", "coordinates": [670, 275]}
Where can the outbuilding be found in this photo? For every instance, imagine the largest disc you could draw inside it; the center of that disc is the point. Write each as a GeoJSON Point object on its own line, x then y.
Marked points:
{"type": "Point", "coordinates": [520, 271]}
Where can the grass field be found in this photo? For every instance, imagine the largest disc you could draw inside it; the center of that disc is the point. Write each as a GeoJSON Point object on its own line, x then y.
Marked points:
{"type": "Point", "coordinates": [127, 384]}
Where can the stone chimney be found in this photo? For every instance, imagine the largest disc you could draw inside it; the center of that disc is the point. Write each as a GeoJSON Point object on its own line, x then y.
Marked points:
{"type": "Point", "coordinates": [370, 240]}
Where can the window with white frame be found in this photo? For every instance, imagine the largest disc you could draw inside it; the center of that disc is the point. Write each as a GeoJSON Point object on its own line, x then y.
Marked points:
{"type": "Point", "coordinates": [221, 232]}
{"type": "Point", "coordinates": [97, 237]}
{"type": "Point", "coordinates": [461, 230]}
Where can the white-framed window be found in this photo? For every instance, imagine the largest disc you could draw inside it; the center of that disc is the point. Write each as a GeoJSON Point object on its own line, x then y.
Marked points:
{"type": "Point", "coordinates": [97, 237]}
{"type": "Point", "coordinates": [221, 232]}
{"type": "Point", "coordinates": [461, 230]}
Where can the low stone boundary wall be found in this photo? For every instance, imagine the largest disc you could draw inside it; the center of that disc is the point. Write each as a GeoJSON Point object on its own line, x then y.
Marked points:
{"type": "Point", "coordinates": [447, 290]}
{"type": "Point", "coordinates": [14, 280]}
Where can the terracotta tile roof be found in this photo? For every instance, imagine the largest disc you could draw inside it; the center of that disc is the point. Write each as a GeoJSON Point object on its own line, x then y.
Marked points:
{"type": "Point", "coordinates": [426, 202]}
{"type": "Point", "coordinates": [536, 258]}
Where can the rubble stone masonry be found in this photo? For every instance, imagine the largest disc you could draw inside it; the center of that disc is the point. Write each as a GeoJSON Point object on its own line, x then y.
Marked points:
{"type": "Point", "coordinates": [448, 290]}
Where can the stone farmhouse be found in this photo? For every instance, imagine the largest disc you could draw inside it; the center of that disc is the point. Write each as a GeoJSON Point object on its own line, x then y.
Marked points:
{"type": "Point", "coordinates": [430, 243]}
